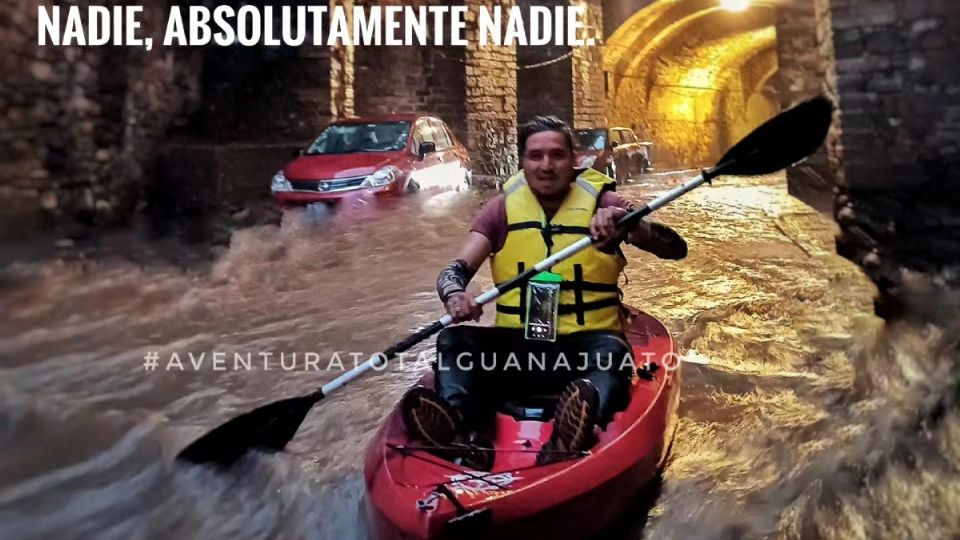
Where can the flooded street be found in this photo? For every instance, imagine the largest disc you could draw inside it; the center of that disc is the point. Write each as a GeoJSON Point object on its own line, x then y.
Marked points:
{"type": "Point", "coordinates": [809, 419]}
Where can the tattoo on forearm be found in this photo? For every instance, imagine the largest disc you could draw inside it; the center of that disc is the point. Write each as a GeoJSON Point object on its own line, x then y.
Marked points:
{"type": "Point", "coordinates": [453, 279]}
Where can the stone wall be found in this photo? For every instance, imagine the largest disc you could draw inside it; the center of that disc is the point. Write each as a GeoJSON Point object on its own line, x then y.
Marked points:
{"type": "Point", "coordinates": [696, 108]}
{"type": "Point", "coordinates": [806, 64]}
{"type": "Point", "coordinates": [689, 77]}
{"type": "Point", "coordinates": [412, 79]}
{"type": "Point", "coordinates": [258, 106]}
{"type": "Point", "coordinates": [544, 89]}
{"type": "Point", "coordinates": [544, 84]}
{"type": "Point", "coordinates": [491, 105]}
{"type": "Point", "coordinates": [403, 79]}
{"type": "Point", "coordinates": [91, 133]}
{"type": "Point", "coordinates": [343, 74]}
{"type": "Point", "coordinates": [588, 78]}
{"type": "Point", "coordinates": [899, 87]}
{"type": "Point", "coordinates": [81, 125]}
{"type": "Point", "coordinates": [756, 101]}
{"type": "Point", "coordinates": [563, 81]}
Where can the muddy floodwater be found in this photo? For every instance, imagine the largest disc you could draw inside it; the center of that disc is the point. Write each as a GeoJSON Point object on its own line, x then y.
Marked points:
{"type": "Point", "coordinates": [805, 417]}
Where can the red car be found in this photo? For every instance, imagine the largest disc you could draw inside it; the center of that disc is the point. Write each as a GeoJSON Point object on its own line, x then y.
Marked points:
{"type": "Point", "coordinates": [380, 155]}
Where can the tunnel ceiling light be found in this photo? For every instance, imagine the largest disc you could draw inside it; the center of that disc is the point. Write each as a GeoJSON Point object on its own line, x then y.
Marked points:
{"type": "Point", "coordinates": [735, 5]}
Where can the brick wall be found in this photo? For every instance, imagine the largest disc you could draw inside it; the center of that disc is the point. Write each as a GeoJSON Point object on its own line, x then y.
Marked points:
{"type": "Point", "coordinates": [89, 131]}
{"type": "Point", "coordinates": [805, 57]}
{"type": "Point", "coordinates": [588, 83]}
{"type": "Point", "coordinates": [899, 90]}
{"type": "Point", "coordinates": [545, 89]}
{"type": "Point", "coordinates": [411, 79]}
{"type": "Point", "coordinates": [491, 105]}
{"type": "Point", "coordinates": [400, 79]}
{"type": "Point", "coordinates": [80, 126]}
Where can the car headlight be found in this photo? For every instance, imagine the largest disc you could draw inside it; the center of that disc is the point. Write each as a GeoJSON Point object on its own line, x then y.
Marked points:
{"type": "Point", "coordinates": [382, 177]}
{"type": "Point", "coordinates": [586, 161]}
{"type": "Point", "coordinates": [280, 183]}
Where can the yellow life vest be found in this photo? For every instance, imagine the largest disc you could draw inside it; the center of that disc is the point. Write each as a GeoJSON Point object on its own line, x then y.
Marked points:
{"type": "Point", "coordinates": [589, 295]}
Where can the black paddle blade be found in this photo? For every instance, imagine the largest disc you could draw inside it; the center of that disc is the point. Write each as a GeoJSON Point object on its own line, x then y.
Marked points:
{"type": "Point", "coordinates": [268, 428]}
{"type": "Point", "coordinates": [781, 141]}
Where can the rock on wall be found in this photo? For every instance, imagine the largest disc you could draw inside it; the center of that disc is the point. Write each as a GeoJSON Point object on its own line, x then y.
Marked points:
{"type": "Point", "coordinates": [899, 92]}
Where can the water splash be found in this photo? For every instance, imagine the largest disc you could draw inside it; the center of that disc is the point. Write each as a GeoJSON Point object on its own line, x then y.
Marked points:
{"type": "Point", "coordinates": [810, 419]}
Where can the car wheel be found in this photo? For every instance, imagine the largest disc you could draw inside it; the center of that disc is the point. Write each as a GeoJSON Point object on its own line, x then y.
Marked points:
{"type": "Point", "coordinates": [645, 166]}
{"type": "Point", "coordinates": [412, 186]}
{"type": "Point", "coordinates": [468, 177]}
{"type": "Point", "coordinates": [630, 171]}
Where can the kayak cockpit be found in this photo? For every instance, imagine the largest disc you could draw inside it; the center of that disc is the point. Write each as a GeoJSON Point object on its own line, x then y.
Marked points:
{"type": "Point", "coordinates": [413, 493]}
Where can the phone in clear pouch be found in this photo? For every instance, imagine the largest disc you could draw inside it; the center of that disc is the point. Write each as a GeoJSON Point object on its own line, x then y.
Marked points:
{"type": "Point", "coordinates": [543, 303]}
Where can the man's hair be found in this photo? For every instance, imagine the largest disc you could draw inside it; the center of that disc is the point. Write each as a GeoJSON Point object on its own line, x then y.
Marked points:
{"type": "Point", "coordinates": [539, 125]}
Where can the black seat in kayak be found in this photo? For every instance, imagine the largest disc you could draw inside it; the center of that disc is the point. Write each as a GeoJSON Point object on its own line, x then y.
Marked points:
{"type": "Point", "coordinates": [537, 407]}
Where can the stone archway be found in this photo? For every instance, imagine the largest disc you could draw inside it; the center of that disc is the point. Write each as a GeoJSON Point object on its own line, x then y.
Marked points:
{"type": "Point", "coordinates": [683, 73]}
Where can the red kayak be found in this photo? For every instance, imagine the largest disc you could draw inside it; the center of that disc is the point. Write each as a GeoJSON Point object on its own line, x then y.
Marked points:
{"type": "Point", "coordinates": [414, 494]}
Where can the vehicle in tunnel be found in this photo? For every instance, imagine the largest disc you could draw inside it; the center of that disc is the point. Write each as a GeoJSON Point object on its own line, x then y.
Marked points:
{"type": "Point", "coordinates": [614, 151]}
{"type": "Point", "coordinates": [377, 155]}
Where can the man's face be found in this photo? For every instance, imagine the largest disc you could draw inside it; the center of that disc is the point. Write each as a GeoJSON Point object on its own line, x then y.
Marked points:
{"type": "Point", "coordinates": [548, 163]}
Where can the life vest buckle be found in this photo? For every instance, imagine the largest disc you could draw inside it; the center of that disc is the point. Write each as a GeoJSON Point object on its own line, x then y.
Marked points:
{"type": "Point", "coordinates": [548, 232]}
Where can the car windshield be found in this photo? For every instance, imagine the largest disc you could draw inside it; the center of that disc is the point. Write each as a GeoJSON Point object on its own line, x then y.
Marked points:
{"type": "Point", "coordinates": [372, 137]}
{"type": "Point", "coordinates": [590, 139]}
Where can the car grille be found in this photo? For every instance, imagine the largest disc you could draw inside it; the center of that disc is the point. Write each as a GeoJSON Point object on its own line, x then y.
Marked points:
{"type": "Point", "coordinates": [322, 186]}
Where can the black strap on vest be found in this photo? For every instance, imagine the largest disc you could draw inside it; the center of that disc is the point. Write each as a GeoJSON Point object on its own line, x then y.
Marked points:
{"type": "Point", "coordinates": [578, 286]}
{"type": "Point", "coordinates": [589, 286]}
{"type": "Point", "coordinates": [562, 309]}
{"type": "Point", "coordinates": [549, 230]}
{"type": "Point", "coordinates": [524, 225]}
{"type": "Point", "coordinates": [521, 267]}
{"type": "Point", "coordinates": [578, 292]}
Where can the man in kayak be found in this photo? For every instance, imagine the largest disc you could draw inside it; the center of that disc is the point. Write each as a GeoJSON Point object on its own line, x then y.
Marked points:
{"type": "Point", "coordinates": [579, 331]}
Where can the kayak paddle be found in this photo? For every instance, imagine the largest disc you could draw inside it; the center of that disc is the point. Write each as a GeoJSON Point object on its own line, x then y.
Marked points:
{"type": "Point", "coordinates": [780, 142]}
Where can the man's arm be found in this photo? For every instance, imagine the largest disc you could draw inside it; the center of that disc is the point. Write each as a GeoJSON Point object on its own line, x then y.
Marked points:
{"type": "Point", "coordinates": [656, 238]}
{"type": "Point", "coordinates": [455, 277]}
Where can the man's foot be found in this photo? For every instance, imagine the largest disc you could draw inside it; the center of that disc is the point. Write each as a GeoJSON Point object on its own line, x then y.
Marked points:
{"type": "Point", "coordinates": [432, 421]}
{"type": "Point", "coordinates": [429, 418]}
{"type": "Point", "coordinates": [573, 422]}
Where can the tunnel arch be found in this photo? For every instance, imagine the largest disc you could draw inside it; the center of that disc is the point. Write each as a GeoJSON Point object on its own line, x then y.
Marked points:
{"type": "Point", "coordinates": [691, 76]}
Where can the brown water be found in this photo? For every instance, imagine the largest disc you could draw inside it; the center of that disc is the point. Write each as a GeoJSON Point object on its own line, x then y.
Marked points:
{"type": "Point", "coordinates": [810, 420]}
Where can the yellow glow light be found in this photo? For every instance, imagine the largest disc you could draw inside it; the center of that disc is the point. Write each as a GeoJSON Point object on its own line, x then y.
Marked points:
{"type": "Point", "coordinates": [702, 78]}
{"type": "Point", "coordinates": [683, 110]}
{"type": "Point", "coordinates": [735, 5]}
